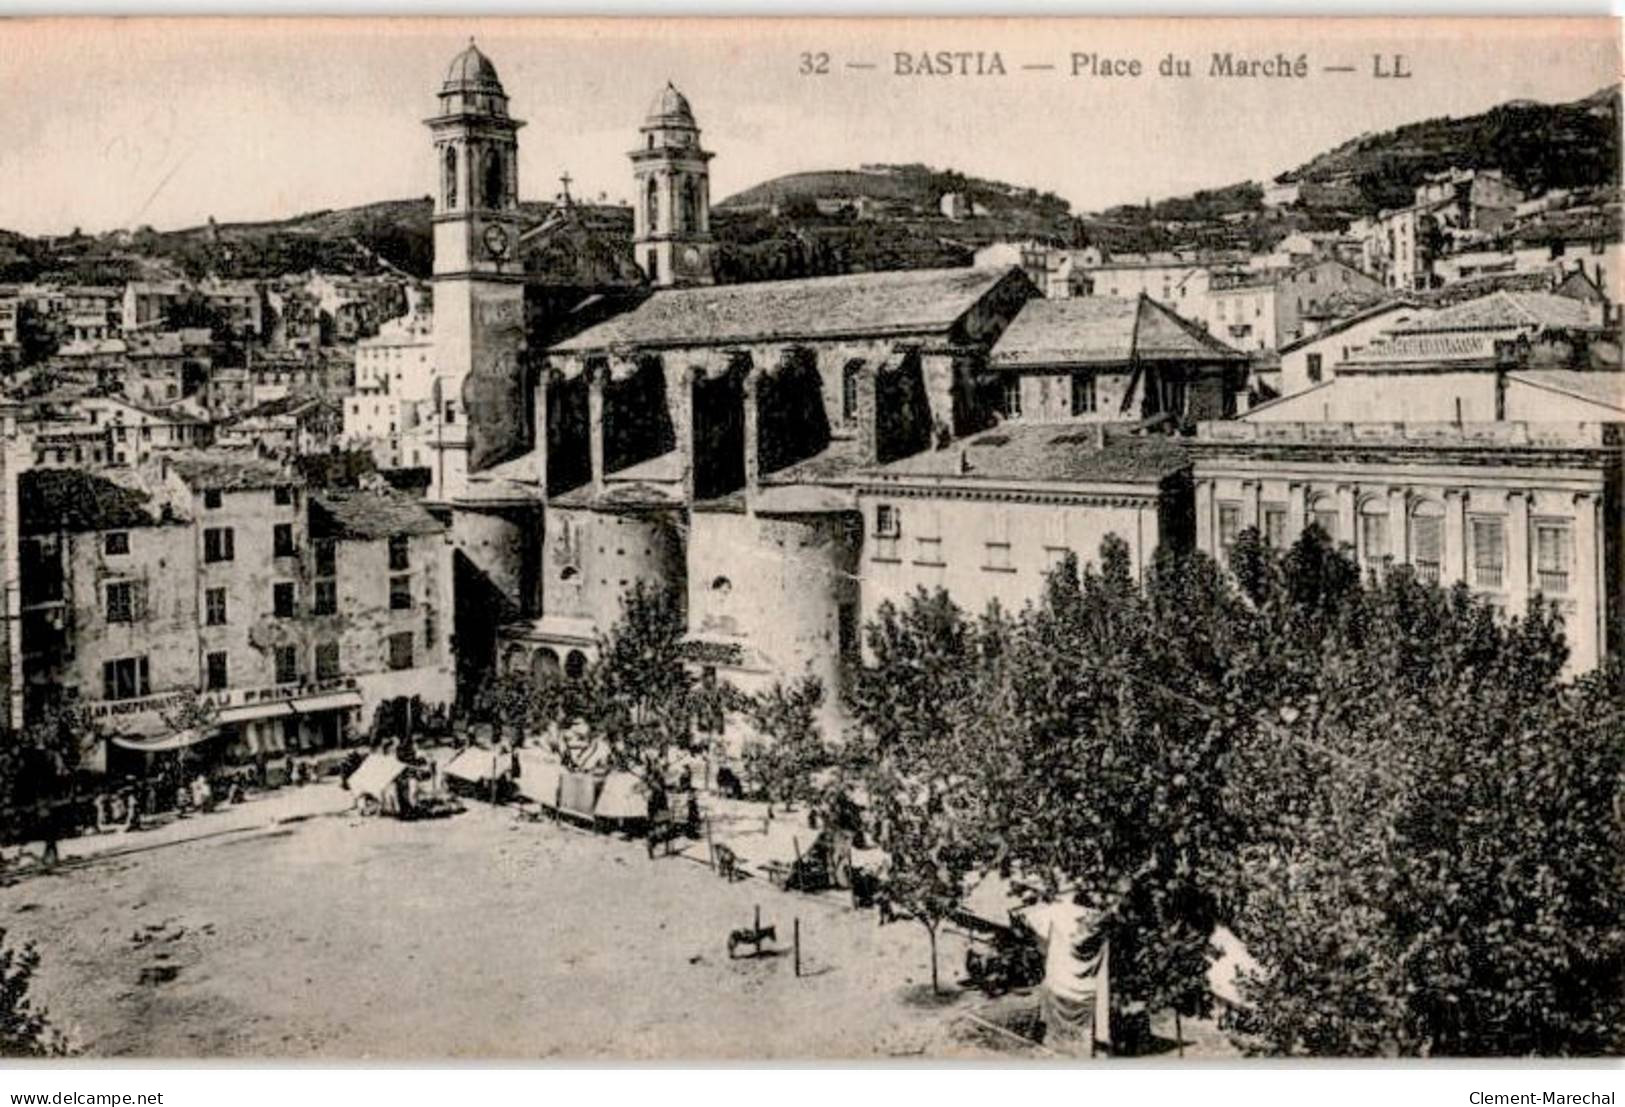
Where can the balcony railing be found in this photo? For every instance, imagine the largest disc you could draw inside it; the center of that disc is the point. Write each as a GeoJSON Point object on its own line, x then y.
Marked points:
{"type": "Point", "coordinates": [1552, 581]}
{"type": "Point", "coordinates": [1427, 572]}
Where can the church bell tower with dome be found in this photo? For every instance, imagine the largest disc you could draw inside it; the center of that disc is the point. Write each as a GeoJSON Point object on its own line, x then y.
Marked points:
{"type": "Point", "coordinates": [671, 235]}
{"type": "Point", "coordinates": [479, 306]}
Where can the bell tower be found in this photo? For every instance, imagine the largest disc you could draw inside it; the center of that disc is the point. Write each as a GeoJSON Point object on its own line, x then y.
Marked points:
{"type": "Point", "coordinates": [479, 305]}
{"type": "Point", "coordinates": [671, 235]}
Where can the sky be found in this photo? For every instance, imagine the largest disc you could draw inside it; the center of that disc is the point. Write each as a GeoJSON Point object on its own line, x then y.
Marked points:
{"type": "Point", "coordinates": [116, 123]}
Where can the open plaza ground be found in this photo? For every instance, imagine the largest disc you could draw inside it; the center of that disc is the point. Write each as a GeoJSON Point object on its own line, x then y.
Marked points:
{"type": "Point", "coordinates": [289, 927]}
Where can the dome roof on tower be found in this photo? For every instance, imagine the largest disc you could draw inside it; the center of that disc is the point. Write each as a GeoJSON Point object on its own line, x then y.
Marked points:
{"type": "Point", "coordinates": [670, 106]}
{"type": "Point", "coordinates": [472, 71]}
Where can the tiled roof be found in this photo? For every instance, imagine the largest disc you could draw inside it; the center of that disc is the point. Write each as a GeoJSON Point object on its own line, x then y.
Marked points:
{"type": "Point", "coordinates": [1058, 452]}
{"type": "Point", "coordinates": [1380, 308]}
{"type": "Point", "coordinates": [1102, 330]}
{"type": "Point", "coordinates": [1504, 310]}
{"type": "Point", "coordinates": [227, 471]}
{"type": "Point", "coordinates": [53, 500]}
{"type": "Point", "coordinates": [1598, 387]}
{"type": "Point", "coordinates": [910, 302]}
{"type": "Point", "coordinates": [1408, 348]}
{"type": "Point", "coordinates": [369, 514]}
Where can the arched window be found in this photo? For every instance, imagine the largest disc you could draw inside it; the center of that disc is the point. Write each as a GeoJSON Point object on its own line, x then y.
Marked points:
{"type": "Point", "coordinates": [651, 207]}
{"type": "Point", "coordinates": [449, 187]}
{"type": "Point", "coordinates": [723, 585]}
{"type": "Point", "coordinates": [1323, 513]}
{"type": "Point", "coordinates": [493, 173]}
{"type": "Point", "coordinates": [1374, 546]}
{"type": "Point", "coordinates": [513, 659]}
{"type": "Point", "coordinates": [575, 665]}
{"type": "Point", "coordinates": [544, 665]}
{"type": "Point", "coordinates": [691, 204]}
{"type": "Point", "coordinates": [1427, 539]}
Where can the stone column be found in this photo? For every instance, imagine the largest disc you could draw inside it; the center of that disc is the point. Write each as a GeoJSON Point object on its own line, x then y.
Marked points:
{"type": "Point", "coordinates": [1517, 552]}
{"type": "Point", "coordinates": [596, 374]}
{"type": "Point", "coordinates": [1297, 509]}
{"type": "Point", "coordinates": [1586, 628]}
{"type": "Point", "coordinates": [682, 385]}
{"type": "Point", "coordinates": [1250, 491]}
{"type": "Point", "coordinates": [868, 386]}
{"type": "Point", "coordinates": [752, 393]}
{"type": "Point", "coordinates": [1453, 554]}
{"type": "Point", "coordinates": [1399, 531]}
{"type": "Point", "coordinates": [1347, 524]}
{"type": "Point", "coordinates": [1204, 516]}
{"type": "Point", "coordinates": [547, 378]}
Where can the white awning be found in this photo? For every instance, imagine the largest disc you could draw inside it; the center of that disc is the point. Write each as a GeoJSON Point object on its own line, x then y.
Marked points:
{"type": "Point", "coordinates": [178, 740]}
{"type": "Point", "coordinates": [332, 701]}
{"type": "Point", "coordinates": [248, 711]}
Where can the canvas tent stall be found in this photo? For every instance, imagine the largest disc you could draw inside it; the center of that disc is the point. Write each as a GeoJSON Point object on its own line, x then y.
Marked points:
{"type": "Point", "coordinates": [374, 782]}
{"type": "Point", "coordinates": [1233, 960]}
{"type": "Point", "coordinates": [478, 770]}
{"type": "Point", "coordinates": [541, 778]}
{"type": "Point", "coordinates": [622, 798]}
{"type": "Point", "coordinates": [578, 795]}
{"type": "Point", "coordinates": [1075, 994]}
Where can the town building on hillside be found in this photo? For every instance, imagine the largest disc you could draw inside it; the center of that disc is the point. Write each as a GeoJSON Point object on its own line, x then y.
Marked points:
{"type": "Point", "coordinates": [1514, 510]}
{"type": "Point", "coordinates": [1464, 363]}
{"type": "Point", "coordinates": [1106, 359]}
{"type": "Point", "coordinates": [1268, 309]}
{"type": "Point", "coordinates": [1470, 199]}
{"type": "Point", "coordinates": [287, 426]}
{"type": "Point", "coordinates": [1314, 358]}
{"type": "Point", "coordinates": [216, 579]}
{"type": "Point", "coordinates": [991, 516]}
{"type": "Point", "coordinates": [1282, 194]}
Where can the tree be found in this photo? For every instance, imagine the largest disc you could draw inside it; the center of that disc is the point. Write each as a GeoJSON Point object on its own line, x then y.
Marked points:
{"type": "Point", "coordinates": [636, 693]}
{"type": "Point", "coordinates": [919, 741]}
{"type": "Point", "coordinates": [788, 748]}
{"type": "Point", "coordinates": [25, 1030]}
{"type": "Point", "coordinates": [1429, 822]}
{"type": "Point", "coordinates": [37, 773]}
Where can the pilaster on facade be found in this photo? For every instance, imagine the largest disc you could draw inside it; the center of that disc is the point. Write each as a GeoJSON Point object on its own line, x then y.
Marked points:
{"type": "Point", "coordinates": [596, 372]}
{"type": "Point", "coordinates": [1454, 554]}
{"type": "Point", "coordinates": [1517, 539]}
{"type": "Point", "coordinates": [1591, 626]}
{"type": "Point", "coordinates": [1399, 528]}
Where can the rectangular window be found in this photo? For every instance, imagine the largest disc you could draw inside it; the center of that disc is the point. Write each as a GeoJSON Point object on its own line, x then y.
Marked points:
{"type": "Point", "coordinates": [400, 593]}
{"type": "Point", "coordinates": [1489, 551]}
{"type": "Point", "coordinates": [1275, 524]}
{"type": "Point", "coordinates": [282, 599]}
{"type": "Point", "coordinates": [326, 557]}
{"type": "Point", "coordinates": [287, 664]}
{"type": "Point", "coordinates": [400, 650]}
{"type": "Point", "coordinates": [1554, 543]}
{"type": "Point", "coordinates": [1229, 528]}
{"type": "Point", "coordinates": [121, 602]}
{"type": "Point", "coordinates": [116, 542]}
{"type": "Point", "coordinates": [849, 390]}
{"type": "Point", "coordinates": [1012, 396]}
{"type": "Point", "coordinates": [888, 529]}
{"type": "Point", "coordinates": [1427, 546]}
{"type": "Point", "coordinates": [284, 495]}
{"type": "Point", "coordinates": [327, 660]}
{"type": "Point", "coordinates": [997, 557]}
{"type": "Point", "coordinates": [282, 540]}
{"type": "Point", "coordinates": [1083, 393]}
{"type": "Point", "coordinates": [211, 497]}
{"type": "Point", "coordinates": [327, 598]}
{"type": "Point", "coordinates": [125, 679]}
{"type": "Point", "coordinates": [399, 552]}
{"type": "Point", "coordinates": [219, 544]}
{"type": "Point", "coordinates": [928, 551]}
{"type": "Point", "coordinates": [217, 677]}
{"type": "Point", "coordinates": [214, 607]}
{"type": "Point", "coordinates": [1314, 367]}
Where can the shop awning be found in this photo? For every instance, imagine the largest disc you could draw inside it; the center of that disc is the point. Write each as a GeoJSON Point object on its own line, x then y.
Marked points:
{"type": "Point", "coordinates": [176, 741]}
{"type": "Point", "coordinates": [332, 701]}
{"type": "Point", "coordinates": [248, 711]}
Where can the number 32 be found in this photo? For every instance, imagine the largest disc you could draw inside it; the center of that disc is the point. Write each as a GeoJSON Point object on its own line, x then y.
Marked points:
{"type": "Point", "coordinates": [814, 65]}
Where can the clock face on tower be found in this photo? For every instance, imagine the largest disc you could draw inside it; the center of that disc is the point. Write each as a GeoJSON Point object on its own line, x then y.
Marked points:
{"type": "Point", "coordinates": [496, 242]}
{"type": "Point", "coordinates": [691, 257]}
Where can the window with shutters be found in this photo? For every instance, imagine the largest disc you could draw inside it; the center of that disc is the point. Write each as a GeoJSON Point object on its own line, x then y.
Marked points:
{"type": "Point", "coordinates": [121, 602]}
{"type": "Point", "coordinates": [1012, 396]}
{"type": "Point", "coordinates": [216, 675]}
{"type": "Point", "coordinates": [282, 540]}
{"type": "Point", "coordinates": [1427, 540]}
{"type": "Point", "coordinates": [1083, 393]}
{"type": "Point", "coordinates": [326, 600]}
{"type": "Point", "coordinates": [1229, 528]}
{"type": "Point", "coordinates": [1554, 542]}
{"type": "Point", "coordinates": [1274, 524]}
{"type": "Point", "coordinates": [400, 650]}
{"type": "Point", "coordinates": [399, 552]}
{"type": "Point", "coordinates": [326, 557]}
{"type": "Point", "coordinates": [1374, 547]}
{"type": "Point", "coordinates": [125, 679]}
{"type": "Point", "coordinates": [214, 606]}
{"type": "Point", "coordinates": [1323, 513]}
{"type": "Point", "coordinates": [287, 664]}
{"type": "Point", "coordinates": [116, 542]}
{"type": "Point", "coordinates": [211, 496]}
{"type": "Point", "coordinates": [282, 599]}
{"type": "Point", "coordinates": [1489, 551]}
{"type": "Point", "coordinates": [1314, 367]}
{"type": "Point", "coordinates": [218, 544]}
{"type": "Point", "coordinates": [888, 530]}
{"type": "Point", "coordinates": [400, 593]}
{"type": "Point", "coordinates": [327, 660]}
